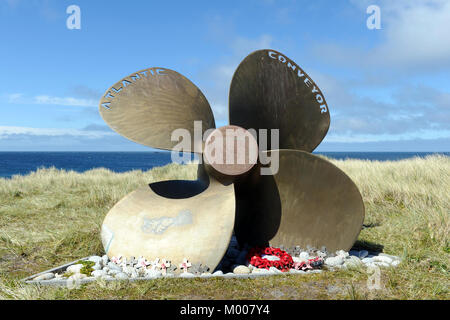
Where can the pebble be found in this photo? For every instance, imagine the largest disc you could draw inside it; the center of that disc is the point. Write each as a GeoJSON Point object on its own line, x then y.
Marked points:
{"type": "Point", "coordinates": [334, 261]}
{"type": "Point", "coordinates": [367, 260]}
{"type": "Point", "coordinates": [363, 254]}
{"type": "Point", "coordinates": [98, 273]}
{"type": "Point", "coordinates": [218, 273]}
{"type": "Point", "coordinates": [241, 270]}
{"type": "Point", "coordinates": [95, 259]}
{"type": "Point", "coordinates": [304, 256]}
{"type": "Point", "coordinates": [77, 276]}
{"type": "Point", "coordinates": [353, 262]}
{"type": "Point", "coordinates": [153, 273]}
{"type": "Point", "coordinates": [121, 276]}
{"type": "Point", "coordinates": [45, 276]}
{"type": "Point", "coordinates": [206, 274]}
{"type": "Point", "coordinates": [113, 266]}
{"type": "Point", "coordinates": [186, 275]}
{"type": "Point", "coordinates": [105, 260]}
{"type": "Point", "coordinates": [382, 259]}
{"type": "Point", "coordinates": [75, 268]}
{"type": "Point", "coordinates": [389, 256]}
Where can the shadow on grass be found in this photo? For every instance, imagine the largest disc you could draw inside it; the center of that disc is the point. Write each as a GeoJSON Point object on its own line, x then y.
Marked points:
{"type": "Point", "coordinates": [367, 245]}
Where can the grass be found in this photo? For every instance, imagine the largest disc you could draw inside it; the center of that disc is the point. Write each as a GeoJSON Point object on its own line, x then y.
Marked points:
{"type": "Point", "coordinates": [51, 217]}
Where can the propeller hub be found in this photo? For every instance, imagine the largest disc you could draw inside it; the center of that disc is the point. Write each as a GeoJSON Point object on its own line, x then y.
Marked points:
{"type": "Point", "coordinates": [230, 151]}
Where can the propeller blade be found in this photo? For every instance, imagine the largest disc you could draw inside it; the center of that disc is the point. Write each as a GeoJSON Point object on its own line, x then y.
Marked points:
{"type": "Point", "coordinates": [147, 106]}
{"type": "Point", "coordinates": [270, 91]}
{"type": "Point", "coordinates": [173, 219]}
{"type": "Point", "coordinates": [309, 201]}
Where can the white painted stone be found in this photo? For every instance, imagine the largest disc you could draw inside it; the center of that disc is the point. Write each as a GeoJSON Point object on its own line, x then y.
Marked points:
{"type": "Point", "coordinates": [77, 276]}
{"type": "Point", "coordinates": [382, 264]}
{"type": "Point", "coordinates": [113, 266]}
{"type": "Point", "coordinates": [153, 273]}
{"type": "Point", "coordinates": [367, 260]}
{"type": "Point", "coordinates": [98, 273]}
{"type": "Point", "coordinates": [121, 276]}
{"type": "Point", "coordinates": [206, 275]}
{"type": "Point", "coordinates": [186, 275]}
{"type": "Point", "coordinates": [304, 256]}
{"type": "Point", "coordinates": [382, 259]}
{"type": "Point", "coordinates": [95, 259]}
{"type": "Point", "coordinates": [353, 262]}
{"type": "Point", "coordinates": [334, 261]}
{"type": "Point", "coordinates": [241, 270]}
{"type": "Point", "coordinates": [75, 268]}
{"type": "Point", "coordinates": [389, 256]}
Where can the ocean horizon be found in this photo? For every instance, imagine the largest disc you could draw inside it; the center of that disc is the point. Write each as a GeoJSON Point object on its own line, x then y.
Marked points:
{"type": "Point", "coordinates": [22, 163]}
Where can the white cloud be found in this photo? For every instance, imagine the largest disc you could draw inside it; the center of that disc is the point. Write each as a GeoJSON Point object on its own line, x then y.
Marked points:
{"type": "Point", "coordinates": [415, 37]}
{"type": "Point", "coordinates": [416, 33]}
{"type": "Point", "coordinates": [51, 100]}
{"type": "Point", "coordinates": [8, 131]}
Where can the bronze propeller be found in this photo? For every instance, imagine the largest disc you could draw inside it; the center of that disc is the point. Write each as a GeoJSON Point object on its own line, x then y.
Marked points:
{"type": "Point", "coordinates": [307, 201]}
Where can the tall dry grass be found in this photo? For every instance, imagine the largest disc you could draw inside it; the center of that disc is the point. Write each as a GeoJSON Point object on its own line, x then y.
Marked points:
{"type": "Point", "coordinates": [51, 216]}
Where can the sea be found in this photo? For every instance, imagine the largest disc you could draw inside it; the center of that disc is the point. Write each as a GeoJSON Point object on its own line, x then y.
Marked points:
{"type": "Point", "coordinates": [22, 163]}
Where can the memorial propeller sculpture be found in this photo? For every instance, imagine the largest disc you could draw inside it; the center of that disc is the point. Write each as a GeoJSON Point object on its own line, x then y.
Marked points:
{"type": "Point", "coordinates": [303, 200]}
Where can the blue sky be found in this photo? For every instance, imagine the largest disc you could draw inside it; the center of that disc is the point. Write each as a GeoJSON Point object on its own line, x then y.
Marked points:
{"type": "Point", "coordinates": [387, 89]}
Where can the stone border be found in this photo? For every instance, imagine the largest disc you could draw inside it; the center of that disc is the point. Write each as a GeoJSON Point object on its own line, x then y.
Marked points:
{"type": "Point", "coordinates": [230, 275]}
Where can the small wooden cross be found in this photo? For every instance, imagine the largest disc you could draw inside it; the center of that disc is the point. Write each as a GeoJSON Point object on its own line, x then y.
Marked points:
{"type": "Point", "coordinates": [142, 262]}
{"type": "Point", "coordinates": [116, 260]}
{"type": "Point", "coordinates": [164, 265]}
{"type": "Point", "coordinates": [154, 264]}
{"type": "Point", "coordinates": [185, 265]}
